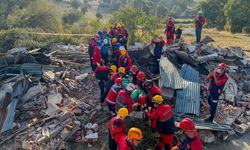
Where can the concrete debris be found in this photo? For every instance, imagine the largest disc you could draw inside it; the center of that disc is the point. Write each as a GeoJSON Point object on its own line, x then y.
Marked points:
{"type": "Point", "coordinates": [206, 136]}
{"type": "Point", "coordinates": [47, 113]}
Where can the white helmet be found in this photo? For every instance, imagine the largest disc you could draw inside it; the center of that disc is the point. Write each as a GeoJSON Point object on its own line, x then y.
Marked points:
{"type": "Point", "coordinates": [130, 87]}
{"type": "Point", "coordinates": [105, 41]}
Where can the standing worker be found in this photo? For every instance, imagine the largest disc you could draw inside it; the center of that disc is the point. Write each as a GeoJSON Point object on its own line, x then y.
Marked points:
{"type": "Point", "coordinates": [199, 21]}
{"type": "Point", "coordinates": [117, 128]}
{"type": "Point", "coordinates": [178, 33]}
{"type": "Point", "coordinates": [192, 140]}
{"type": "Point", "coordinates": [132, 140]}
{"type": "Point", "coordinates": [218, 79]}
{"type": "Point", "coordinates": [170, 30]}
{"type": "Point", "coordinates": [165, 123]}
{"type": "Point", "coordinates": [159, 43]}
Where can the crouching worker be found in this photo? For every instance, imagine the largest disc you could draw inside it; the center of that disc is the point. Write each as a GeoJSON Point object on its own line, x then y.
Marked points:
{"type": "Point", "coordinates": [192, 140]}
{"type": "Point", "coordinates": [117, 128]}
{"type": "Point", "coordinates": [164, 123]}
{"type": "Point", "coordinates": [132, 140]}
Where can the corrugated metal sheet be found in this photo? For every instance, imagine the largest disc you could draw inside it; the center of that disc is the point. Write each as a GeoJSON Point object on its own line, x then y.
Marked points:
{"type": "Point", "coordinates": [189, 73]}
{"type": "Point", "coordinates": [188, 95]}
{"type": "Point", "coordinates": [10, 92]}
{"type": "Point", "coordinates": [169, 75]}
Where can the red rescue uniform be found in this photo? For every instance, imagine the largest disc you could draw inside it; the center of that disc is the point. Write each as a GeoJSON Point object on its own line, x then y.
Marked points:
{"type": "Point", "coordinates": [97, 55]}
{"type": "Point", "coordinates": [191, 144]}
{"type": "Point", "coordinates": [117, 128]}
{"type": "Point", "coordinates": [124, 100]}
{"type": "Point", "coordinates": [112, 94]}
{"type": "Point", "coordinates": [125, 62]}
{"type": "Point", "coordinates": [123, 144]}
{"type": "Point", "coordinates": [163, 115]}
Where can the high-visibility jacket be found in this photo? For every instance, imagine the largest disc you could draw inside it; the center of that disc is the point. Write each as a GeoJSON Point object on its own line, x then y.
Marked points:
{"type": "Point", "coordinates": [123, 144]}
{"type": "Point", "coordinates": [164, 117]}
{"type": "Point", "coordinates": [117, 128]}
{"type": "Point", "coordinates": [112, 94]}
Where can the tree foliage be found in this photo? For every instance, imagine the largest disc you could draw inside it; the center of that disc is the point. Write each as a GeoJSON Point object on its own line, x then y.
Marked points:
{"type": "Point", "coordinates": [76, 4]}
{"type": "Point", "coordinates": [72, 17]}
{"type": "Point", "coordinates": [237, 14]}
{"type": "Point", "coordinates": [135, 19]}
{"type": "Point", "coordinates": [213, 10]}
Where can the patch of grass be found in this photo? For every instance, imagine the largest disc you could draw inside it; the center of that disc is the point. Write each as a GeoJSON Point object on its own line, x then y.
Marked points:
{"type": "Point", "coordinates": [223, 38]}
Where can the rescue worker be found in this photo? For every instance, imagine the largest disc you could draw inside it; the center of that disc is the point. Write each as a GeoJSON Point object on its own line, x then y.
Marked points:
{"type": "Point", "coordinates": [124, 99]}
{"type": "Point", "coordinates": [115, 51]}
{"type": "Point", "coordinates": [92, 44]}
{"type": "Point", "coordinates": [102, 74]}
{"type": "Point", "coordinates": [170, 30]}
{"type": "Point", "coordinates": [151, 91]}
{"type": "Point", "coordinates": [112, 94]}
{"type": "Point", "coordinates": [124, 60]}
{"type": "Point", "coordinates": [140, 80]}
{"type": "Point", "coordinates": [133, 73]}
{"type": "Point", "coordinates": [199, 21]}
{"type": "Point", "coordinates": [159, 43]}
{"type": "Point", "coordinates": [218, 79]}
{"type": "Point", "coordinates": [117, 128]}
{"type": "Point", "coordinates": [113, 76]}
{"type": "Point", "coordinates": [165, 123]}
{"type": "Point", "coordinates": [97, 59]}
{"type": "Point", "coordinates": [132, 140]}
{"type": "Point", "coordinates": [178, 33]}
{"type": "Point", "coordinates": [105, 51]}
{"type": "Point", "coordinates": [192, 140]}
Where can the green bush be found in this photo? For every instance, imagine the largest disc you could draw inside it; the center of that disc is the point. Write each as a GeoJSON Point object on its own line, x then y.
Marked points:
{"type": "Point", "coordinates": [72, 17]}
{"type": "Point", "coordinates": [246, 29]}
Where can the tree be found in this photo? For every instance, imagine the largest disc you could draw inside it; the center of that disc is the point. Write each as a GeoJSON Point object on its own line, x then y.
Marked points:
{"type": "Point", "coordinates": [237, 14]}
{"type": "Point", "coordinates": [76, 4]}
{"type": "Point", "coordinates": [7, 7]}
{"type": "Point", "coordinates": [44, 15]}
{"type": "Point", "coordinates": [213, 10]}
{"type": "Point", "coordinates": [135, 19]}
{"type": "Point", "coordinates": [72, 17]}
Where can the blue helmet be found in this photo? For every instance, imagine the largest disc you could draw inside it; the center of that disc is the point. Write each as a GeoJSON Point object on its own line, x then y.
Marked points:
{"type": "Point", "coordinates": [100, 33]}
{"type": "Point", "coordinates": [99, 43]}
{"type": "Point", "coordinates": [118, 45]}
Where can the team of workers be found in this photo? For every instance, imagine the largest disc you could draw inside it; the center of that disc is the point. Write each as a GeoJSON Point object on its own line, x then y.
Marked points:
{"type": "Point", "coordinates": [125, 88]}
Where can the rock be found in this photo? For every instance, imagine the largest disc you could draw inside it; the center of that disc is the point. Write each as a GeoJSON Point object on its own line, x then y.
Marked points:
{"type": "Point", "coordinates": [94, 127]}
{"type": "Point", "coordinates": [91, 138]}
{"type": "Point", "coordinates": [81, 77]}
{"type": "Point", "coordinates": [241, 128]}
{"type": "Point", "coordinates": [206, 136]}
{"type": "Point", "coordinates": [206, 58]}
{"type": "Point", "coordinates": [207, 39]}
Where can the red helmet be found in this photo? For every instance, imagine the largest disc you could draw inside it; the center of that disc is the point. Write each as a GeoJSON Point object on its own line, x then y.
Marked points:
{"type": "Point", "coordinates": [141, 75]}
{"type": "Point", "coordinates": [134, 69]}
{"type": "Point", "coordinates": [118, 80]}
{"type": "Point", "coordinates": [97, 37]}
{"type": "Point", "coordinates": [222, 65]}
{"type": "Point", "coordinates": [186, 124]}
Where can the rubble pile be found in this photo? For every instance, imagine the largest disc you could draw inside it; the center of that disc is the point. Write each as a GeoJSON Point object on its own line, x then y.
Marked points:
{"type": "Point", "coordinates": [233, 108]}
{"type": "Point", "coordinates": [47, 109]}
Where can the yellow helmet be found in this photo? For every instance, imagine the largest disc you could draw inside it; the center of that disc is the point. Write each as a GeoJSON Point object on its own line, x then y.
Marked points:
{"type": "Point", "coordinates": [114, 40]}
{"type": "Point", "coordinates": [123, 112]}
{"type": "Point", "coordinates": [157, 99]}
{"type": "Point", "coordinates": [123, 51]}
{"type": "Point", "coordinates": [122, 70]}
{"type": "Point", "coordinates": [113, 68]}
{"type": "Point", "coordinates": [134, 133]}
